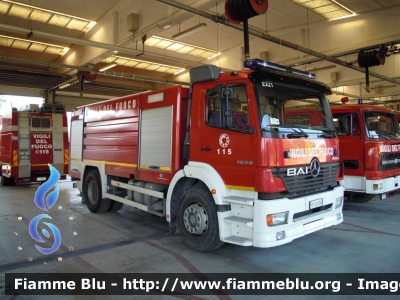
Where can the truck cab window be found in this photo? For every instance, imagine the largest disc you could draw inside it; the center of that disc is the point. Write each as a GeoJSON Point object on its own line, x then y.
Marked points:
{"type": "Point", "coordinates": [231, 114]}
{"type": "Point", "coordinates": [380, 124]}
{"type": "Point", "coordinates": [347, 124]}
{"type": "Point", "coordinates": [41, 122]}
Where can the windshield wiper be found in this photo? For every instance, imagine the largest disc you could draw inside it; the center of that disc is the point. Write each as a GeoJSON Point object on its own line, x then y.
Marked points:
{"type": "Point", "coordinates": [331, 134]}
{"type": "Point", "coordinates": [299, 133]}
{"type": "Point", "coordinates": [382, 135]}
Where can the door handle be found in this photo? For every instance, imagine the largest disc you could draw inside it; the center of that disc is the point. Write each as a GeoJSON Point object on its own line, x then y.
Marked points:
{"type": "Point", "coordinates": [205, 149]}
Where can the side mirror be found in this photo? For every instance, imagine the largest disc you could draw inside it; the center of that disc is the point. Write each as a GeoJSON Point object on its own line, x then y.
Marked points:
{"type": "Point", "coordinates": [226, 93]}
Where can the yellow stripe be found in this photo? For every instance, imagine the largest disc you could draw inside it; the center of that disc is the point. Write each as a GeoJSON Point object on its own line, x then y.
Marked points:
{"type": "Point", "coordinates": [165, 168]}
{"type": "Point", "coordinates": [75, 159]}
{"type": "Point", "coordinates": [242, 188]}
{"type": "Point", "coordinates": [40, 165]}
{"type": "Point", "coordinates": [144, 167]}
{"type": "Point", "coordinates": [108, 163]}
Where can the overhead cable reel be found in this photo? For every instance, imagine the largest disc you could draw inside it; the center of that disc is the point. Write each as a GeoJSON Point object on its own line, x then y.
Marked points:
{"type": "Point", "coordinates": [237, 11]}
{"type": "Point", "coordinates": [85, 76]}
{"type": "Point", "coordinates": [240, 10]}
{"type": "Point", "coordinates": [371, 58]}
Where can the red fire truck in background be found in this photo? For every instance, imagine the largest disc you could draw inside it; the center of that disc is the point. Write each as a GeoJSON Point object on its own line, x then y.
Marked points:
{"type": "Point", "coordinates": [370, 149]}
{"type": "Point", "coordinates": [30, 139]}
{"type": "Point", "coordinates": [216, 159]}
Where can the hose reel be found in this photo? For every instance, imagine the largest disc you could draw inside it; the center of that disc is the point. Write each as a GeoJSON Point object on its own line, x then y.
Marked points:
{"type": "Point", "coordinates": [237, 11]}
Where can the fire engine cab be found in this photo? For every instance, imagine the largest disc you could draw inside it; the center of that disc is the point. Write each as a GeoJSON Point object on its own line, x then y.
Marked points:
{"type": "Point", "coordinates": [218, 159]}
{"type": "Point", "coordinates": [370, 148]}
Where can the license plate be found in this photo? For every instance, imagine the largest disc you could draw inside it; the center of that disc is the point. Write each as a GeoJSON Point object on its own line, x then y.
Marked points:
{"type": "Point", "coordinates": [41, 178]}
{"type": "Point", "coordinates": [315, 203]}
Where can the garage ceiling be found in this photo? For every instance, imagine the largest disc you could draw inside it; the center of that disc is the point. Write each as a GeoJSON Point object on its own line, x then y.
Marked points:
{"type": "Point", "coordinates": [29, 37]}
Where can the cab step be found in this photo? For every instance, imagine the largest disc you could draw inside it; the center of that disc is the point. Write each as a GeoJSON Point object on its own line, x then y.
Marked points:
{"type": "Point", "coordinates": [239, 220]}
{"type": "Point", "coordinates": [239, 200]}
{"type": "Point", "coordinates": [238, 240]}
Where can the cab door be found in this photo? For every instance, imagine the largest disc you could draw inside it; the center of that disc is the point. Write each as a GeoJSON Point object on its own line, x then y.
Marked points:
{"type": "Point", "coordinates": [225, 133]}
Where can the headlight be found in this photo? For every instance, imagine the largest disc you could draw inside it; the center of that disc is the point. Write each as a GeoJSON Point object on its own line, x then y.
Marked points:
{"type": "Point", "coordinates": [277, 219]}
{"type": "Point", "coordinates": [339, 202]}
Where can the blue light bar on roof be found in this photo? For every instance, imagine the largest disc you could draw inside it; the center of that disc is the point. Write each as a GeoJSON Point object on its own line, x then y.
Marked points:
{"type": "Point", "coordinates": [259, 63]}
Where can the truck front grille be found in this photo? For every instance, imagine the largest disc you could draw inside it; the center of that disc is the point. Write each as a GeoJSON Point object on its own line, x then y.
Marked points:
{"type": "Point", "coordinates": [389, 161]}
{"type": "Point", "coordinates": [306, 183]}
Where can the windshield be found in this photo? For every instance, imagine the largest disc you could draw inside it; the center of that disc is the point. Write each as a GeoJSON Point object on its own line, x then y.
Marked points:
{"type": "Point", "coordinates": [380, 124]}
{"type": "Point", "coordinates": [293, 111]}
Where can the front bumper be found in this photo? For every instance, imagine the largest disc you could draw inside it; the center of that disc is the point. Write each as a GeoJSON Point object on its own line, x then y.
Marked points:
{"type": "Point", "coordinates": [299, 222]}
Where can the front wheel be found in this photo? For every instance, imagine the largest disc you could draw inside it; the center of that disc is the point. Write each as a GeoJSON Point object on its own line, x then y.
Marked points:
{"type": "Point", "coordinates": [92, 193]}
{"type": "Point", "coordinates": [198, 220]}
{"type": "Point", "coordinates": [361, 198]}
{"type": "Point", "coordinates": [4, 181]}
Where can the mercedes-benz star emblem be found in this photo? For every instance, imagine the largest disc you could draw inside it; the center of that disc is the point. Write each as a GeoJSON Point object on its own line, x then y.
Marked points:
{"type": "Point", "coordinates": [315, 167]}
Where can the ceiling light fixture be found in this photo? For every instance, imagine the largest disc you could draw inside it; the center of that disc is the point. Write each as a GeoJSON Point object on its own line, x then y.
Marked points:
{"type": "Point", "coordinates": [142, 64]}
{"type": "Point", "coordinates": [63, 86]}
{"type": "Point", "coordinates": [41, 15]}
{"type": "Point", "coordinates": [189, 31]}
{"type": "Point", "coordinates": [180, 47]}
{"type": "Point", "coordinates": [166, 26]}
{"type": "Point", "coordinates": [329, 9]}
{"type": "Point", "coordinates": [12, 42]}
{"type": "Point", "coordinates": [107, 67]}
{"type": "Point", "coordinates": [180, 71]}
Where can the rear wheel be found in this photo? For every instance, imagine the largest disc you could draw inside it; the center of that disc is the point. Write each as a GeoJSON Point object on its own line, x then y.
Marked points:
{"type": "Point", "coordinates": [92, 193]}
{"type": "Point", "coordinates": [198, 220]}
{"type": "Point", "coordinates": [115, 206]}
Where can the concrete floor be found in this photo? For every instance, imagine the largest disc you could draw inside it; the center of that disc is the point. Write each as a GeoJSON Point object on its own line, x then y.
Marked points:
{"type": "Point", "coordinates": [131, 241]}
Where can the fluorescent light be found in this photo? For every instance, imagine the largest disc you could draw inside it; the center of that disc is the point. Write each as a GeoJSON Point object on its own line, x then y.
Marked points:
{"type": "Point", "coordinates": [215, 55]}
{"type": "Point", "coordinates": [180, 71]}
{"type": "Point", "coordinates": [107, 67]}
{"type": "Point", "coordinates": [64, 85]}
{"type": "Point", "coordinates": [12, 42]}
{"type": "Point", "coordinates": [166, 26]}
{"type": "Point", "coordinates": [329, 9]}
{"type": "Point", "coordinates": [180, 47]}
{"type": "Point", "coordinates": [142, 64]}
{"type": "Point", "coordinates": [189, 31]}
{"type": "Point", "coordinates": [41, 15]}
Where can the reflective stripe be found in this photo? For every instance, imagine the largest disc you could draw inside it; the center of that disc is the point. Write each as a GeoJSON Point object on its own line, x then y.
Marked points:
{"type": "Point", "coordinates": [66, 157]}
{"type": "Point", "coordinates": [15, 158]}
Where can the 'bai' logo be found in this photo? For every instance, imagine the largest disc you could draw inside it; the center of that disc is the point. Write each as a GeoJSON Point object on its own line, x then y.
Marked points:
{"type": "Point", "coordinates": [224, 140]}
{"type": "Point", "coordinates": [50, 201]}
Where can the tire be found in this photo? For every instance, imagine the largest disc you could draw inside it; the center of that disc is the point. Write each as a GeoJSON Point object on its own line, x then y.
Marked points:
{"type": "Point", "coordinates": [93, 194]}
{"type": "Point", "coordinates": [361, 198]}
{"type": "Point", "coordinates": [4, 181]}
{"type": "Point", "coordinates": [115, 206]}
{"type": "Point", "coordinates": [198, 220]}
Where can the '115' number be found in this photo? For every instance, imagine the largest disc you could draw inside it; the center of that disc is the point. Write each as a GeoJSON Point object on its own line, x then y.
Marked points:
{"type": "Point", "coordinates": [225, 151]}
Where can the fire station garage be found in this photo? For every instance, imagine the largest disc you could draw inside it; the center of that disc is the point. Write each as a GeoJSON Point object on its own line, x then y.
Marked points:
{"type": "Point", "coordinates": [199, 149]}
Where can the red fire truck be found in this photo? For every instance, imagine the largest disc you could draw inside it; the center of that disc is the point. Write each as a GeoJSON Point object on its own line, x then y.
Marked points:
{"type": "Point", "coordinates": [370, 149]}
{"type": "Point", "coordinates": [216, 159]}
{"type": "Point", "coordinates": [30, 139]}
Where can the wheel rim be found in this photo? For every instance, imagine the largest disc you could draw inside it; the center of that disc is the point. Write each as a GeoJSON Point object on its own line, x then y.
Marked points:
{"type": "Point", "coordinates": [195, 219]}
{"type": "Point", "coordinates": [92, 192]}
